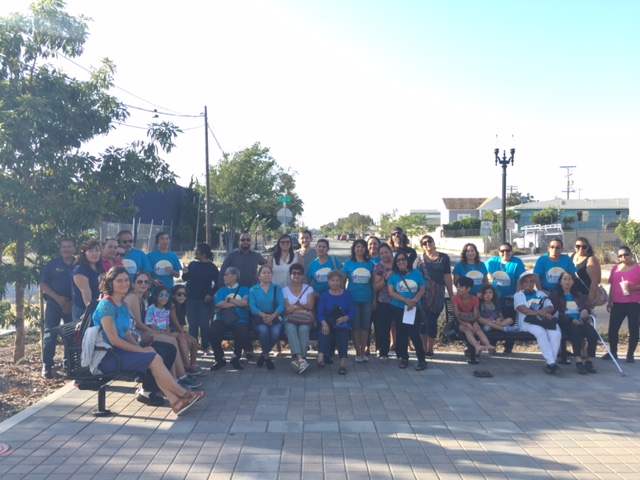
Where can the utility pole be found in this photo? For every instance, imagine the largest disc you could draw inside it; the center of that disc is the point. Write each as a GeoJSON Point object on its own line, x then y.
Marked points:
{"type": "Point", "coordinates": [569, 182]}
{"type": "Point", "coordinates": [207, 214]}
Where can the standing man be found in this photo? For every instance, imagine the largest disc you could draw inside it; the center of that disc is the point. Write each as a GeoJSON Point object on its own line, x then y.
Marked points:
{"type": "Point", "coordinates": [55, 284]}
{"type": "Point", "coordinates": [134, 260]}
{"type": "Point", "coordinates": [307, 253]}
{"type": "Point", "coordinates": [550, 267]}
{"type": "Point", "coordinates": [245, 260]}
{"type": "Point", "coordinates": [166, 265]}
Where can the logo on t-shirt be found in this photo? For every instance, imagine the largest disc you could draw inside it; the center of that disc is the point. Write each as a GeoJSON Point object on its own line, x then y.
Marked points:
{"type": "Point", "coordinates": [130, 265]}
{"type": "Point", "coordinates": [322, 274]}
{"type": "Point", "coordinates": [554, 274]}
{"type": "Point", "coordinates": [502, 279]}
{"type": "Point", "coordinates": [361, 275]}
{"type": "Point", "coordinates": [476, 276]}
{"type": "Point", "coordinates": [402, 288]}
{"type": "Point", "coordinates": [161, 267]}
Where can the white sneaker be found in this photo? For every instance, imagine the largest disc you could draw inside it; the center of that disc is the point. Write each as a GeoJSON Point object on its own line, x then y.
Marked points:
{"type": "Point", "coordinates": [365, 358]}
{"type": "Point", "coordinates": [295, 365]}
{"type": "Point", "coordinates": [359, 359]}
{"type": "Point", "coordinates": [303, 365]}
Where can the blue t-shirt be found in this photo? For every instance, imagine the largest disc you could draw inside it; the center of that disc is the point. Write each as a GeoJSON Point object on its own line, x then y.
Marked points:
{"type": "Point", "coordinates": [57, 274]}
{"type": "Point", "coordinates": [120, 315]}
{"type": "Point", "coordinates": [317, 273]}
{"type": "Point", "coordinates": [414, 280]}
{"type": "Point", "coordinates": [360, 275]}
{"type": "Point", "coordinates": [159, 262]}
{"type": "Point", "coordinates": [572, 307]}
{"type": "Point", "coordinates": [505, 275]}
{"type": "Point", "coordinates": [226, 293]}
{"type": "Point", "coordinates": [550, 271]}
{"type": "Point", "coordinates": [474, 272]}
{"type": "Point", "coordinates": [94, 284]}
{"type": "Point", "coordinates": [136, 261]}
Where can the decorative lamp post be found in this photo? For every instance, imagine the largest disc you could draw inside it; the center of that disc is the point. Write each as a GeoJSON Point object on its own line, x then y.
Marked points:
{"type": "Point", "coordinates": [504, 161]}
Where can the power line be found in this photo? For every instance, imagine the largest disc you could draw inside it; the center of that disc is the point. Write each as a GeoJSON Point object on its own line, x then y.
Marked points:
{"type": "Point", "coordinates": [162, 113]}
{"type": "Point", "coordinates": [214, 137]}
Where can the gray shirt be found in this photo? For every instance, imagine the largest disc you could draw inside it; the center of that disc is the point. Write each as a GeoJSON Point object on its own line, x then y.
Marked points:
{"type": "Point", "coordinates": [247, 263]}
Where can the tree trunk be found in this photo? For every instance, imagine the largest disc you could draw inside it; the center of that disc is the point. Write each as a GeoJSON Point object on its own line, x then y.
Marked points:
{"type": "Point", "coordinates": [18, 352]}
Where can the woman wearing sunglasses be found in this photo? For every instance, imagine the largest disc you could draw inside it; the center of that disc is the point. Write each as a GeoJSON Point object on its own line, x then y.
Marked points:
{"type": "Point", "coordinates": [588, 269]}
{"type": "Point", "coordinates": [624, 301]}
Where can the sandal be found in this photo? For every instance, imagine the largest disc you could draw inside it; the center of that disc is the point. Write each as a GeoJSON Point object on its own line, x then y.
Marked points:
{"type": "Point", "coordinates": [342, 371]}
{"type": "Point", "coordinates": [482, 374]}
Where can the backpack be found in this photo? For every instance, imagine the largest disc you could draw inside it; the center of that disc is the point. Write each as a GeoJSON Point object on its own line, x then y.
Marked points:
{"type": "Point", "coordinates": [433, 298]}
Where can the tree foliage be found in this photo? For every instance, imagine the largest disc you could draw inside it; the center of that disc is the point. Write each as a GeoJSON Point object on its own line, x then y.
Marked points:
{"type": "Point", "coordinates": [354, 223]}
{"type": "Point", "coordinates": [49, 187]}
{"type": "Point", "coordinates": [469, 223]}
{"type": "Point", "coordinates": [546, 217]}
{"type": "Point", "coordinates": [496, 218]}
{"type": "Point", "coordinates": [412, 225]}
{"type": "Point", "coordinates": [629, 233]}
{"type": "Point", "coordinates": [517, 198]}
{"type": "Point", "coordinates": [245, 189]}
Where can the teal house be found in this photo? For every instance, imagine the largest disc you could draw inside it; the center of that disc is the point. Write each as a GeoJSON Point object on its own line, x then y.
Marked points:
{"type": "Point", "coordinates": [587, 214]}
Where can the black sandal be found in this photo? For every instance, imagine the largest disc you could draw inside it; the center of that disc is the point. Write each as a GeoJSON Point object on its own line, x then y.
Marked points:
{"type": "Point", "coordinates": [342, 371]}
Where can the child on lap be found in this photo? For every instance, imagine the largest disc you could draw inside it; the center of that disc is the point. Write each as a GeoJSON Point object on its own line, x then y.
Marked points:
{"type": "Point", "coordinates": [490, 314]}
{"type": "Point", "coordinates": [465, 308]}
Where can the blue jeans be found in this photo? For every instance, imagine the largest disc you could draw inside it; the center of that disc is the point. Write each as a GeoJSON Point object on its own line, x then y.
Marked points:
{"type": "Point", "coordinates": [199, 315]}
{"type": "Point", "coordinates": [298, 336]}
{"type": "Point", "coordinates": [268, 336]}
{"type": "Point", "coordinates": [341, 336]}
{"type": "Point", "coordinates": [52, 316]}
{"type": "Point", "coordinates": [76, 312]}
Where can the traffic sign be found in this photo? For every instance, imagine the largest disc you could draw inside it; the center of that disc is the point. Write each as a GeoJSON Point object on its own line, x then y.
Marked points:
{"type": "Point", "coordinates": [284, 199]}
{"type": "Point", "coordinates": [284, 216]}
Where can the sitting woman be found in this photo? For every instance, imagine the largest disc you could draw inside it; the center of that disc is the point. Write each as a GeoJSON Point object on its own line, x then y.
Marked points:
{"type": "Point", "coordinates": [298, 315]}
{"type": "Point", "coordinates": [112, 315]}
{"type": "Point", "coordinates": [266, 303]}
{"type": "Point", "coordinates": [232, 301]}
{"type": "Point", "coordinates": [572, 311]}
{"type": "Point", "coordinates": [491, 317]}
{"type": "Point", "coordinates": [535, 315]}
{"type": "Point", "coordinates": [336, 311]}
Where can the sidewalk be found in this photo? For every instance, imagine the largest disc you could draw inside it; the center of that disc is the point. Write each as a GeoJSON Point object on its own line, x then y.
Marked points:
{"type": "Point", "coordinates": [378, 421]}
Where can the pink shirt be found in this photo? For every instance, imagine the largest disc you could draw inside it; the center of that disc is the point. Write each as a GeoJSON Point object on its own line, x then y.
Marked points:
{"type": "Point", "coordinates": [633, 277]}
{"type": "Point", "coordinates": [107, 266]}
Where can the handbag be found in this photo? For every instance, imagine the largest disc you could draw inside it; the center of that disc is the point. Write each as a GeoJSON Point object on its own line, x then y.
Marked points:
{"type": "Point", "coordinates": [450, 329]}
{"type": "Point", "coordinates": [300, 318]}
{"type": "Point", "coordinates": [602, 297]}
{"type": "Point", "coordinates": [433, 298]}
{"type": "Point", "coordinates": [333, 316]}
{"type": "Point", "coordinates": [421, 316]}
{"type": "Point", "coordinates": [229, 316]}
{"type": "Point", "coordinates": [541, 322]}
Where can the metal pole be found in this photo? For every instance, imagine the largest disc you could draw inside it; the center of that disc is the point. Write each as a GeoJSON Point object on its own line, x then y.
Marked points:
{"type": "Point", "coordinates": [207, 190]}
{"type": "Point", "coordinates": [504, 162]}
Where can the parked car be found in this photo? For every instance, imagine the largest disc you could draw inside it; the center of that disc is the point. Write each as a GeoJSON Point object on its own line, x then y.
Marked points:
{"type": "Point", "coordinates": [352, 237]}
{"type": "Point", "coordinates": [343, 237]}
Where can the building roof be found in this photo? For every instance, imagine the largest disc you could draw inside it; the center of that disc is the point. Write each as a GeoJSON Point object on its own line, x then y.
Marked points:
{"type": "Point", "coordinates": [463, 203]}
{"type": "Point", "coordinates": [488, 201]}
{"type": "Point", "coordinates": [574, 204]}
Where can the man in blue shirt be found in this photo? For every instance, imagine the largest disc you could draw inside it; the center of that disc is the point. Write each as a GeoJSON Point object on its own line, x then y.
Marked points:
{"type": "Point", "coordinates": [550, 267]}
{"type": "Point", "coordinates": [166, 265]}
{"type": "Point", "coordinates": [55, 284]}
{"type": "Point", "coordinates": [134, 260]}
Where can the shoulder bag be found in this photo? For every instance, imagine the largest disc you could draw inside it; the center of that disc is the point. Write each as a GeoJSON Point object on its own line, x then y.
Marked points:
{"type": "Point", "coordinates": [433, 298]}
{"type": "Point", "coordinates": [229, 316]}
{"type": "Point", "coordinates": [300, 318]}
{"type": "Point", "coordinates": [421, 316]}
{"type": "Point", "coordinates": [257, 319]}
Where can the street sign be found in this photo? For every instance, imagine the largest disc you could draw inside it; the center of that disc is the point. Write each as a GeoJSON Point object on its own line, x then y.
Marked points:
{"type": "Point", "coordinates": [485, 228]}
{"type": "Point", "coordinates": [284, 216]}
{"type": "Point", "coordinates": [284, 199]}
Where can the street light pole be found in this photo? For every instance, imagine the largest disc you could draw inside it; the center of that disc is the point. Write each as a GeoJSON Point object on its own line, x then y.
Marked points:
{"type": "Point", "coordinates": [504, 161]}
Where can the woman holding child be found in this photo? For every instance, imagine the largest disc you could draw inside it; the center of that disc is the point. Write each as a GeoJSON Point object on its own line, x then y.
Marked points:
{"type": "Point", "coordinates": [535, 315]}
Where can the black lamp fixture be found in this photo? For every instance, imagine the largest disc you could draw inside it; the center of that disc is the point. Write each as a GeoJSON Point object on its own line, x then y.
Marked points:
{"type": "Point", "coordinates": [504, 162]}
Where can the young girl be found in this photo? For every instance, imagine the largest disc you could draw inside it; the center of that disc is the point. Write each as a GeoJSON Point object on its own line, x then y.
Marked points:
{"type": "Point", "coordinates": [188, 345]}
{"type": "Point", "coordinates": [465, 308]}
{"type": "Point", "coordinates": [158, 317]}
{"type": "Point", "coordinates": [490, 314]}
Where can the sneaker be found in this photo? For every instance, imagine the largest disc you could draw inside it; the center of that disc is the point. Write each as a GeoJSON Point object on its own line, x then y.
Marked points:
{"type": "Point", "coordinates": [589, 367]}
{"type": "Point", "coordinates": [404, 364]}
{"type": "Point", "coordinates": [548, 369]}
{"type": "Point", "coordinates": [556, 369]}
{"type": "Point", "coordinates": [421, 366]}
{"type": "Point", "coordinates": [269, 363]}
{"type": "Point", "coordinates": [248, 355]}
{"type": "Point", "coordinates": [607, 356]}
{"type": "Point", "coordinates": [383, 359]}
{"type": "Point", "coordinates": [392, 353]}
{"type": "Point", "coordinates": [218, 365]}
{"type": "Point", "coordinates": [295, 365]}
{"type": "Point", "coordinates": [511, 329]}
{"type": "Point", "coordinates": [152, 400]}
{"type": "Point", "coordinates": [630, 359]}
{"type": "Point", "coordinates": [188, 382]}
{"type": "Point", "coordinates": [47, 372]}
{"type": "Point", "coordinates": [429, 354]}
{"type": "Point", "coordinates": [235, 362]}
{"type": "Point", "coordinates": [260, 361]}
{"type": "Point", "coordinates": [303, 365]}
{"type": "Point", "coordinates": [359, 359]}
{"type": "Point", "coordinates": [582, 370]}
{"type": "Point", "coordinates": [365, 358]}
{"type": "Point", "coordinates": [194, 371]}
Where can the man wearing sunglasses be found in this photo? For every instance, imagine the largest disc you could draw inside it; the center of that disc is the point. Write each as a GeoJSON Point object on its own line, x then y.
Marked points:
{"type": "Point", "coordinates": [245, 260]}
{"type": "Point", "coordinates": [134, 260]}
{"type": "Point", "coordinates": [550, 267]}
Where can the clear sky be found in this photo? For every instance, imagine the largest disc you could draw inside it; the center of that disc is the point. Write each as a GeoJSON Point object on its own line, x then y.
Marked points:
{"type": "Point", "coordinates": [383, 105]}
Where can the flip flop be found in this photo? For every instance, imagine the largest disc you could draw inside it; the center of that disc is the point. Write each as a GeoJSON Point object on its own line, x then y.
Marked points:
{"type": "Point", "coordinates": [482, 374]}
{"type": "Point", "coordinates": [342, 371]}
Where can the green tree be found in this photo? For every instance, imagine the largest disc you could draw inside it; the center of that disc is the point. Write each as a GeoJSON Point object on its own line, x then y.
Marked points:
{"type": "Point", "coordinates": [496, 218]}
{"type": "Point", "coordinates": [546, 216]}
{"type": "Point", "coordinates": [245, 189]}
{"type": "Point", "coordinates": [517, 198]}
{"type": "Point", "coordinates": [412, 224]}
{"type": "Point", "coordinates": [386, 224]}
{"type": "Point", "coordinates": [49, 187]}
{"type": "Point", "coordinates": [629, 233]}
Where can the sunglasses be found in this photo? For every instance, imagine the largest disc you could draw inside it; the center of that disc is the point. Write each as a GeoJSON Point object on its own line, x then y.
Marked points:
{"type": "Point", "coordinates": [583, 247]}
{"type": "Point", "coordinates": [245, 239]}
{"type": "Point", "coordinates": [426, 242]}
{"type": "Point", "coordinates": [142, 282]}
{"type": "Point", "coordinates": [296, 273]}
{"type": "Point", "coordinates": [181, 294]}
{"type": "Point", "coordinates": [126, 241]}
{"type": "Point", "coordinates": [623, 255]}
{"type": "Point", "coordinates": [164, 295]}
{"type": "Point", "coordinates": [505, 251]}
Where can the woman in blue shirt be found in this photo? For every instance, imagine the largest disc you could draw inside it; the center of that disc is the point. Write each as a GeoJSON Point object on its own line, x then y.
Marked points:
{"type": "Point", "coordinates": [471, 266]}
{"type": "Point", "coordinates": [359, 272]}
{"type": "Point", "coordinates": [266, 303]}
{"type": "Point", "coordinates": [112, 315]}
{"type": "Point", "coordinates": [406, 288]}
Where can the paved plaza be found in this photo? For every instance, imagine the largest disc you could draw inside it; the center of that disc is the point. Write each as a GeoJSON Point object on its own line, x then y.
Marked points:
{"type": "Point", "coordinates": [378, 421]}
